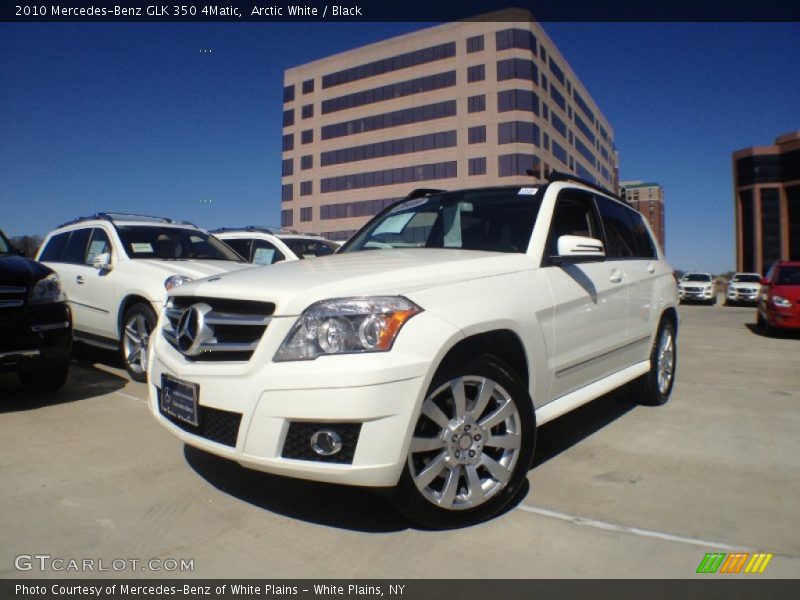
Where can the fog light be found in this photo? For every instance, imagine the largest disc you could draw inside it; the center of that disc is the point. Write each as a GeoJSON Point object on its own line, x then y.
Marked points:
{"type": "Point", "coordinates": [326, 442]}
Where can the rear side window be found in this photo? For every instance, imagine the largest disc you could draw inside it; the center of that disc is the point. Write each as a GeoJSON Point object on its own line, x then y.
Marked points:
{"type": "Point", "coordinates": [54, 250]}
{"type": "Point", "coordinates": [644, 242]}
{"type": "Point", "coordinates": [75, 252]}
{"type": "Point", "coordinates": [241, 246]}
{"type": "Point", "coordinates": [620, 238]}
{"type": "Point", "coordinates": [100, 244]}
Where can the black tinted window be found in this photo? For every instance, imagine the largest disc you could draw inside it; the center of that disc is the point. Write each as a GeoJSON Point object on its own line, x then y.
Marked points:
{"type": "Point", "coordinates": [644, 242]}
{"type": "Point", "coordinates": [75, 252]}
{"type": "Point", "coordinates": [54, 250]}
{"type": "Point", "coordinates": [242, 247]}
{"type": "Point", "coordinates": [620, 239]}
{"type": "Point", "coordinates": [574, 215]}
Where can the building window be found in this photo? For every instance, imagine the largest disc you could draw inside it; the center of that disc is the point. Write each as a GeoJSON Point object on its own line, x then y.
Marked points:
{"type": "Point", "coordinates": [288, 142]}
{"type": "Point", "coordinates": [307, 111]}
{"type": "Point", "coordinates": [443, 170]}
{"type": "Point", "coordinates": [515, 164]}
{"type": "Point", "coordinates": [559, 152]}
{"type": "Point", "coordinates": [391, 91]}
{"type": "Point", "coordinates": [544, 82]}
{"type": "Point", "coordinates": [476, 103]}
{"type": "Point", "coordinates": [361, 208]}
{"type": "Point", "coordinates": [524, 100]}
{"type": "Point", "coordinates": [558, 98]}
{"type": "Point", "coordinates": [307, 136]}
{"type": "Point", "coordinates": [305, 214]}
{"type": "Point", "coordinates": [419, 143]}
{"type": "Point", "coordinates": [542, 53]}
{"type": "Point", "coordinates": [556, 71]}
{"type": "Point", "coordinates": [477, 166]}
{"type": "Point", "coordinates": [396, 118]}
{"type": "Point", "coordinates": [288, 117]}
{"type": "Point", "coordinates": [558, 125]}
{"type": "Point", "coordinates": [518, 132]}
{"type": "Point", "coordinates": [287, 168]}
{"type": "Point", "coordinates": [288, 93]}
{"type": "Point", "coordinates": [387, 65]}
{"type": "Point", "coordinates": [545, 112]}
{"type": "Point", "coordinates": [306, 188]}
{"type": "Point", "coordinates": [476, 73]}
{"type": "Point", "coordinates": [287, 218]}
{"type": "Point", "coordinates": [474, 44]}
{"type": "Point", "coordinates": [515, 38]}
{"type": "Point", "coordinates": [585, 152]}
{"type": "Point", "coordinates": [770, 227]}
{"type": "Point", "coordinates": [306, 162]}
{"type": "Point", "coordinates": [517, 68]}
{"type": "Point", "coordinates": [287, 192]}
{"type": "Point", "coordinates": [587, 131]}
{"type": "Point", "coordinates": [546, 141]}
{"type": "Point", "coordinates": [308, 86]}
{"type": "Point", "coordinates": [477, 134]}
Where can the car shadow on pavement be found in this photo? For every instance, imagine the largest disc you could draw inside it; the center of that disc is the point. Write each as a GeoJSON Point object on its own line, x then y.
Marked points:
{"type": "Point", "coordinates": [83, 382]}
{"type": "Point", "coordinates": [776, 333]}
{"type": "Point", "coordinates": [341, 506]}
{"type": "Point", "coordinates": [563, 433]}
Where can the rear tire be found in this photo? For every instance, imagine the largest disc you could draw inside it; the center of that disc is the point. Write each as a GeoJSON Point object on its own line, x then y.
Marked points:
{"type": "Point", "coordinates": [137, 324]}
{"type": "Point", "coordinates": [654, 388]}
{"type": "Point", "coordinates": [471, 447]}
{"type": "Point", "coordinates": [44, 379]}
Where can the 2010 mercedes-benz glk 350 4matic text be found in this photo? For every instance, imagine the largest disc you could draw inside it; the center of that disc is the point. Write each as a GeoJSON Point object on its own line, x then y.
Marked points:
{"type": "Point", "coordinates": [423, 356]}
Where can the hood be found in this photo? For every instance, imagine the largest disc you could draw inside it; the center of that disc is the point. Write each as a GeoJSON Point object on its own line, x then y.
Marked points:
{"type": "Point", "coordinates": [196, 269]}
{"type": "Point", "coordinates": [294, 285]}
{"type": "Point", "coordinates": [696, 283]}
{"type": "Point", "coordinates": [20, 271]}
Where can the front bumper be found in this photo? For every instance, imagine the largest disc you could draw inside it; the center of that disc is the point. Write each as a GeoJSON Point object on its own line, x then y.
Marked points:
{"type": "Point", "coordinates": [261, 413]}
{"type": "Point", "coordinates": [35, 337]}
{"type": "Point", "coordinates": [749, 297]}
{"type": "Point", "coordinates": [696, 296]}
{"type": "Point", "coordinates": [788, 318]}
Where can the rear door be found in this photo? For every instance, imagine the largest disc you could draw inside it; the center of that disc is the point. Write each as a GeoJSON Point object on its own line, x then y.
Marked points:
{"type": "Point", "coordinates": [591, 301]}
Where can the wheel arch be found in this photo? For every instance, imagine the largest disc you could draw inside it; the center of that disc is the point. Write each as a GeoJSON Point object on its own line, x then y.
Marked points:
{"type": "Point", "coordinates": [126, 303]}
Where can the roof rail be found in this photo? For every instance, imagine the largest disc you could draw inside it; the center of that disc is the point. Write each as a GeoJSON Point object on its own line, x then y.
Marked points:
{"type": "Point", "coordinates": [553, 176]}
{"type": "Point", "coordinates": [422, 192]}
{"type": "Point", "coordinates": [118, 216]}
{"type": "Point", "coordinates": [260, 229]}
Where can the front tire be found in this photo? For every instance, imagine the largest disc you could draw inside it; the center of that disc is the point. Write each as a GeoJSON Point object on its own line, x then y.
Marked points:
{"type": "Point", "coordinates": [471, 447]}
{"type": "Point", "coordinates": [137, 324]}
{"type": "Point", "coordinates": [655, 387]}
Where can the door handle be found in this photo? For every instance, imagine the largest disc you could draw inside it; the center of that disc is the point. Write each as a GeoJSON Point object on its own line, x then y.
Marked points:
{"type": "Point", "coordinates": [651, 268]}
{"type": "Point", "coordinates": [616, 276]}
{"type": "Point", "coordinates": [79, 279]}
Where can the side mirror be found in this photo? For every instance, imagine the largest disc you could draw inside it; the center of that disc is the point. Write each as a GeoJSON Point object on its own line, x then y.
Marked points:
{"type": "Point", "coordinates": [577, 249]}
{"type": "Point", "coordinates": [102, 262]}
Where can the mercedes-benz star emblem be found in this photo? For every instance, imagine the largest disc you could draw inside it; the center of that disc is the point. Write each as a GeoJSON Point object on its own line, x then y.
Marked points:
{"type": "Point", "coordinates": [192, 331]}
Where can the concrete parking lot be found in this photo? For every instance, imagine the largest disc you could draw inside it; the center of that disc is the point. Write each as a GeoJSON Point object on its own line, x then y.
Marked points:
{"type": "Point", "coordinates": [618, 490]}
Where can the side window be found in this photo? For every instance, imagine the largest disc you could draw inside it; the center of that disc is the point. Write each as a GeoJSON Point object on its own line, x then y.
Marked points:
{"type": "Point", "coordinates": [620, 239]}
{"type": "Point", "coordinates": [241, 247]}
{"type": "Point", "coordinates": [75, 252]}
{"type": "Point", "coordinates": [574, 214]}
{"type": "Point", "coordinates": [264, 253]}
{"type": "Point", "coordinates": [54, 250]}
{"type": "Point", "coordinates": [644, 242]}
{"type": "Point", "coordinates": [99, 244]}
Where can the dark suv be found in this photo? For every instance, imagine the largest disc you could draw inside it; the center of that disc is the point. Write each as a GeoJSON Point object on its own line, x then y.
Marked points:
{"type": "Point", "coordinates": [35, 321]}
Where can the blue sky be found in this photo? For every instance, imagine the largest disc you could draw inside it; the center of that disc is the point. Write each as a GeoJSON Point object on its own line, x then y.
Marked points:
{"type": "Point", "coordinates": [135, 117]}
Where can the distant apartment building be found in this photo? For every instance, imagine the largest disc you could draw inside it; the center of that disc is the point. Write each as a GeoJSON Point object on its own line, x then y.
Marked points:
{"type": "Point", "coordinates": [464, 104]}
{"type": "Point", "coordinates": [648, 199]}
{"type": "Point", "coordinates": [766, 183]}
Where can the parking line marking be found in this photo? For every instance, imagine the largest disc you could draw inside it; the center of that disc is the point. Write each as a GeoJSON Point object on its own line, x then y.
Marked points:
{"type": "Point", "coordinates": [625, 529]}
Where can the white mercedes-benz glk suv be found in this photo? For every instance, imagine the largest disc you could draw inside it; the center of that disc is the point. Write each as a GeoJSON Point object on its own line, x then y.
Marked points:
{"type": "Point", "coordinates": [423, 356]}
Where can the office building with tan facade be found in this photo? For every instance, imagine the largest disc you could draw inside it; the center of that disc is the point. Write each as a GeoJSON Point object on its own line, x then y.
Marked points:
{"type": "Point", "coordinates": [766, 183]}
{"type": "Point", "coordinates": [465, 104]}
{"type": "Point", "coordinates": [648, 199]}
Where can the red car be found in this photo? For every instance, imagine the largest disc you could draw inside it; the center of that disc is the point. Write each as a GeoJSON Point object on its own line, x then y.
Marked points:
{"type": "Point", "coordinates": [779, 302]}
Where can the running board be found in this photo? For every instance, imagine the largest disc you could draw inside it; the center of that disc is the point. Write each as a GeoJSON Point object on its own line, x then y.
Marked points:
{"type": "Point", "coordinates": [95, 340]}
{"type": "Point", "coordinates": [573, 400]}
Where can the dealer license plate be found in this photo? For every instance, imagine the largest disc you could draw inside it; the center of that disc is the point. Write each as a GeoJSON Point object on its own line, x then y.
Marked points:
{"type": "Point", "coordinates": [179, 399]}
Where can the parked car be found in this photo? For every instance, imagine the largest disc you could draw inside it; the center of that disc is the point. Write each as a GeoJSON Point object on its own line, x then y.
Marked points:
{"type": "Point", "coordinates": [35, 321]}
{"type": "Point", "coordinates": [423, 355]}
{"type": "Point", "coordinates": [266, 246]}
{"type": "Point", "coordinates": [779, 301]}
{"type": "Point", "coordinates": [697, 287]}
{"type": "Point", "coordinates": [743, 288]}
{"type": "Point", "coordinates": [116, 269]}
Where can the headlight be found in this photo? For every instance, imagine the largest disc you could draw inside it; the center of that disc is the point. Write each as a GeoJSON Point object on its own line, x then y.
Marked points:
{"type": "Point", "coordinates": [346, 325]}
{"type": "Point", "coordinates": [47, 290]}
{"type": "Point", "coordinates": [174, 281]}
{"type": "Point", "coordinates": [781, 302]}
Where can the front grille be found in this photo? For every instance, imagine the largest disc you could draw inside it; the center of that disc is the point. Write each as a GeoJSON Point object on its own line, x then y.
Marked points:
{"type": "Point", "coordinates": [234, 327]}
{"type": "Point", "coordinates": [217, 425]}
{"type": "Point", "coordinates": [693, 290]}
{"type": "Point", "coordinates": [298, 441]}
{"type": "Point", "coordinates": [12, 297]}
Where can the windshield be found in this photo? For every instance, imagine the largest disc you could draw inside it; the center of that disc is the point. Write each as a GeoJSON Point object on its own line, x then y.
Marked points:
{"type": "Point", "coordinates": [746, 278]}
{"type": "Point", "coordinates": [788, 276]}
{"type": "Point", "coordinates": [173, 243]}
{"type": "Point", "coordinates": [310, 247]}
{"type": "Point", "coordinates": [697, 277]}
{"type": "Point", "coordinates": [490, 219]}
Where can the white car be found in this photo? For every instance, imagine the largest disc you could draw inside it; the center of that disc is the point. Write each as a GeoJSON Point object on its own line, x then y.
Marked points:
{"type": "Point", "coordinates": [697, 287]}
{"type": "Point", "coordinates": [743, 288]}
{"type": "Point", "coordinates": [116, 270]}
{"type": "Point", "coordinates": [424, 354]}
{"type": "Point", "coordinates": [266, 246]}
